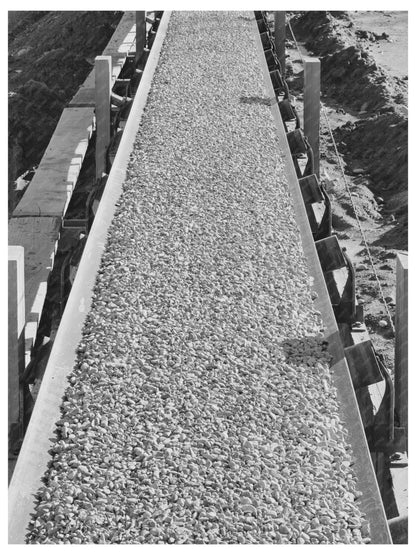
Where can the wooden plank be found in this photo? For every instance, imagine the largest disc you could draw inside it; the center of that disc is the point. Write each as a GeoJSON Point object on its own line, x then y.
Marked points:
{"type": "Point", "coordinates": [16, 339]}
{"type": "Point", "coordinates": [102, 112]}
{"type": "Point", "coordinates": [140, 34]}
{"type": "Point", "coordinates": [121, 43]}
{"type": "Point", "coordinates": [401, 347]}
{"type": "Point", "coordinates": [38, 236]}
{"type": "Point", "coordinates": [280, 38]}
{"type": "Point", "coordinates": [312, 105]}
{"type": "Point", "coordinates": [51, 188]}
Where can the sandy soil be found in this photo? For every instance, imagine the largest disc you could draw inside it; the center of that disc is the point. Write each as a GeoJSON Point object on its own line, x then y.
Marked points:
{"type": "Point", "coordinates": [392, 52]}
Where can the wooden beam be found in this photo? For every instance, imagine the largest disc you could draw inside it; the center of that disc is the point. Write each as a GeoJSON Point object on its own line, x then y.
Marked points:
{"type": "Point", "coordinates": [140, 34]}
{"type": "Point", "coordinates": [312, 105]}
{"type": "Point", "coordinates": [16, 341]}
{"type": "Point", "coordinates": [121, 43]}
{"type": "Point", "coordinates": [102, 112]}
{"type": "Point", "coordinates": [38, 237]}
{"type": "Point", "coordinates": [51, 188]}
{"type": "Point", "coordinates": [280, 38]}
{"type": "Point", "coordinates": [401, 349]}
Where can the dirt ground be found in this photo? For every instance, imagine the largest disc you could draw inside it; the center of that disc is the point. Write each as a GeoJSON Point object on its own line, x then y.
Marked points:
{"type": "Point", "coordinates": [364, 93]}
{"type": "Point", "coordinates": [391, 54]}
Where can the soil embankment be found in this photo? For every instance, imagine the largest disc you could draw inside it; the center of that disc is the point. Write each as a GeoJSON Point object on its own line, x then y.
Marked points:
{"type": "Point", "coordinates": [365, 98]}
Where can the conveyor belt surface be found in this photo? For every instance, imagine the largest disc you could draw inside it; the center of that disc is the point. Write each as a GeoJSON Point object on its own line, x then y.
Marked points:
{"type": "Point", "coordinates": [201, 408]}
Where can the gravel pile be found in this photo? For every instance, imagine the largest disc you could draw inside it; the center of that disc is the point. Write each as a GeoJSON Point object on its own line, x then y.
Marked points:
{"type": "Point", "coordinates": [201, 408]}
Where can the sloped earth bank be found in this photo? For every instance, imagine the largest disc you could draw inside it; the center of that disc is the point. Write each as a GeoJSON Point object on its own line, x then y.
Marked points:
{"type": "Point", "coordinates": [50, 55]}
{"type": "Point", "coordinates": [365, 96]}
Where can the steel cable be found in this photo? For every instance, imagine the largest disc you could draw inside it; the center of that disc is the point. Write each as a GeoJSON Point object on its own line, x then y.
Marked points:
{"type": "Point", "coordinates": [323, 108]}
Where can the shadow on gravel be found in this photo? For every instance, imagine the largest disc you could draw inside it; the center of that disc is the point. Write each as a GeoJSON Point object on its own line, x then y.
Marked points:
{"type": "Point", "coordinates": [313, 349]}
{"type": "Point", "coordinates": [255, 100]}
{"type": "Point", "coordinates": [298, 349]}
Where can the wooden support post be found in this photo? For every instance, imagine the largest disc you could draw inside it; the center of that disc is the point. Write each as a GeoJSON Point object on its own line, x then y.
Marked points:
{"type": "Point", "coordinates": [140, 34]}
{"type": "Point", "coordinates": [401, 350]}
{"type": "Point", "coordinates": [103, 67]}
{"type": "Point", "coordinates": [280, 38]}
{"type": "Point", "coordinates": [16, 341]}
{"type": "Point", "coordinates": [312, 106]}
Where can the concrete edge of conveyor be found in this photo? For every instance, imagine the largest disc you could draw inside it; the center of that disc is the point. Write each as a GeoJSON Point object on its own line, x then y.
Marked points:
{"type": "Point", "coordinates": [33, 458]}
{"type": "Point", "coordinates": [371, 503]}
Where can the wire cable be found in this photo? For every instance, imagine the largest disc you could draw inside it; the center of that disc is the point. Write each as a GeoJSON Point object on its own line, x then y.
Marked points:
{"type": "Point", "coordinates": [324, 110]}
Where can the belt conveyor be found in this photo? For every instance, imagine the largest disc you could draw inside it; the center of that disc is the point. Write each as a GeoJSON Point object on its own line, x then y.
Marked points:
{"type": "Point", "coordinates": [208, 399]}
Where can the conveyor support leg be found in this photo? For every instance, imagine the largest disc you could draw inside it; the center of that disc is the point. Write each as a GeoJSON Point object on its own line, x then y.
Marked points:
{"type": "Point", "coordinates": [103, 66]}
{"type": "Point", "coordinates": [280, 38]}
{"type": "Point", "coordinates": [401, 354]}
{"type": "Point", "coordinates": [312, 106]}
{"type": "Point", "coordinates": [16, 342]}
{"type": "Point", "coordinates": [140, 34]}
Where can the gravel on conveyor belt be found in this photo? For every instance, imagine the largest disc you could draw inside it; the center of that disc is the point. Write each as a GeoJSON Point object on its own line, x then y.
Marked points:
{"type": "Point", "coordinates": [201, 408]}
